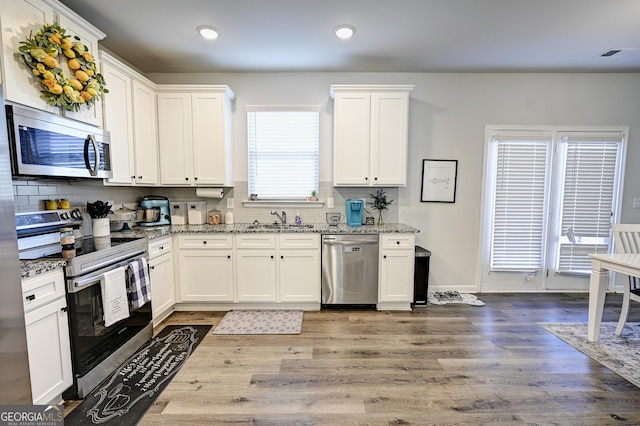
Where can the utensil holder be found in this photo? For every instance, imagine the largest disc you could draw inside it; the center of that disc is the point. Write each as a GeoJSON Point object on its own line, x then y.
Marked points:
{"type": "Point", "coordinates": [101, 227]}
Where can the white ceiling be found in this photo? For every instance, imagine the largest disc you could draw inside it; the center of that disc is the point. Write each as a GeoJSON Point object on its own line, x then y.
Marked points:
{"type": "Point", "coordinates": [391, 35]}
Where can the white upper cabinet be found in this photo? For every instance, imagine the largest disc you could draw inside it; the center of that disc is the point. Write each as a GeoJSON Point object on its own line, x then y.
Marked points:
{"type": "Point", "coordinates": [130, 117]}
{"type": "Point", "coordinates": [195, 135]}
{"type": "Point", "coordinates": [370, 135]}
{"type": "Point", "coordinates": [21, 18]}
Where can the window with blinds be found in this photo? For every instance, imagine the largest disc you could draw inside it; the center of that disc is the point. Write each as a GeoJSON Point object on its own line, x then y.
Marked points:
{"type": "Point", "coordinates": [551, 207]}
{"type": "Point", "coordinates": [588, 198]}
{"type": "Point", "coordinates": [519, 205]}
{"type": "Point", "coordinates": [283, 150]}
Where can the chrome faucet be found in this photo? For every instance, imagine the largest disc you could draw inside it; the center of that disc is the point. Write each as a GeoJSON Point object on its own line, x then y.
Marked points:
{"type": "Point", "coordinates": [282, 218]}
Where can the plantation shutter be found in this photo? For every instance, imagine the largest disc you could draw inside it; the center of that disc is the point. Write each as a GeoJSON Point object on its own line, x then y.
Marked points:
{"type": "Point", "coordinates": [588, 198]}
{"type": "Point", "coordinates": [519, 205]}
{"type": "Point", "coordinates": [283, 150]}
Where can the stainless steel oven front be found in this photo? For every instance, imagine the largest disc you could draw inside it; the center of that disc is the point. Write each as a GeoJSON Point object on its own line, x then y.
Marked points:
{"type": "Point", "coordinates": [98, 350]}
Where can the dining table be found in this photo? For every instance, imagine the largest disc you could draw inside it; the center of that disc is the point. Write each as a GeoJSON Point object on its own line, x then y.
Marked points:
{"type": "Point", "coordinates": [601, 265]}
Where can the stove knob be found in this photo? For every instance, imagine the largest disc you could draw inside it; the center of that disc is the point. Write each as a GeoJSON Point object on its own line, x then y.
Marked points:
{"type": "Point", "coordinates": [64, 216]}
{"type": "Point", "coordinates": [76, 214]}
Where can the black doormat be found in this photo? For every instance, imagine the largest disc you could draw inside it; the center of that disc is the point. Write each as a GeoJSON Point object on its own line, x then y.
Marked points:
{"type": "Point", "coordinates": [124, 397]}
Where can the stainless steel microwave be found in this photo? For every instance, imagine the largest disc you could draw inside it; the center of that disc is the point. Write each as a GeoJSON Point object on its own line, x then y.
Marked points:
{"type": "Point", "coordinates": [45, 144]}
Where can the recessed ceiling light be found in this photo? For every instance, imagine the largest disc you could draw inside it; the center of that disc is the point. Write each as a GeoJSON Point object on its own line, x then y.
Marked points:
{"type": "Point", "coordinates": [208, 32]}
{"type": "Point", "coordinates": [344, 32]}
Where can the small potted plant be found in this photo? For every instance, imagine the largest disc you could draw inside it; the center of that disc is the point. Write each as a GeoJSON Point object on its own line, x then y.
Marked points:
{"type": "Point", "coordinates": [314, 195]}
{"type": "Point", "coordinates": [380, 203]}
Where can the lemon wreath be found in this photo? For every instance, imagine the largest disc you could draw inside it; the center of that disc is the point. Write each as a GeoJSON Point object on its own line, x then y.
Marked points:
{"type": "Point", "coordinates": [40, 53]}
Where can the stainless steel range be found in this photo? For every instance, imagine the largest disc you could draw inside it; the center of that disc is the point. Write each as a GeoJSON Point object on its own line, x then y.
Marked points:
{"type": "Point", "coordinates": [97, 350]}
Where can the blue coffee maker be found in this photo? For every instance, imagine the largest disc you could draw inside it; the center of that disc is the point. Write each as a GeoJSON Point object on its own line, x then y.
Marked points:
{"type": "Point", "coordinates": [355, 210]}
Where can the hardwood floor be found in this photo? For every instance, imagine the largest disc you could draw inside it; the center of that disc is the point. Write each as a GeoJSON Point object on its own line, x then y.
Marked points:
{"type": "Point", "coordinates": [450, 364]}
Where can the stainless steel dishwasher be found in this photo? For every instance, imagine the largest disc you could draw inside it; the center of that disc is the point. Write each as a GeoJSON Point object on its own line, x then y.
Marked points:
{"type": "Point", "coordinates": [349, 270]}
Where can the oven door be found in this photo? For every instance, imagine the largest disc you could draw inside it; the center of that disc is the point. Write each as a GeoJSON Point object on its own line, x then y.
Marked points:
{"type": "Point", "coordinates": [91, 341]}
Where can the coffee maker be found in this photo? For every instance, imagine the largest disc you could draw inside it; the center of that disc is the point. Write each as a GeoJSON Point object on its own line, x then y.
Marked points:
{"type": "Point", "coordinates": [355, 209]}
{"type": "Point", "coordinates": [154, 210]}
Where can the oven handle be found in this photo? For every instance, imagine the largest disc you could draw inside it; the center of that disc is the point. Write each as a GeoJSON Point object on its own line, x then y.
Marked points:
{"type": "Point", "coordinates": [82, 282]}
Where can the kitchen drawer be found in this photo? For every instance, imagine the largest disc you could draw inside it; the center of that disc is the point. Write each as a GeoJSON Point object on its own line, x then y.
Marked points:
{"type": "Point", "coordinates": [397, 241]}
{"type": "Point", "coordinates": [205, 241]}
{"type": "Point", "coordinates": [159, 247]}
{"type": "Point", "coordinates": [42, 289]}
{"type": "Point", "coordinates": [254, 241]}
{"type": "Point", "coordinates": [299, 241]}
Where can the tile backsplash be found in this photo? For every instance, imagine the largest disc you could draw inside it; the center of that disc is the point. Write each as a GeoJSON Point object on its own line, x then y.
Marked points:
{"type": "Point", "coordinates": [29, 195]}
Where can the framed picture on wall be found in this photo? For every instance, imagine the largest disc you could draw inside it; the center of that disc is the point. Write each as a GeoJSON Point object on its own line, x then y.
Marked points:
{"type": "Point", "coordinates": [439, 181]}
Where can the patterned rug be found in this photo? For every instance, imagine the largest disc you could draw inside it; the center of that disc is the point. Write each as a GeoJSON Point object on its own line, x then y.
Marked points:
{"type": "Point", "coordinates": [124, 397]}
{"type": "Point", "coordinates": [446, 297]}
{"type": "Point", "coordinates": [260, 322]}
{"type": "Point", "coordinates": [620, 354]}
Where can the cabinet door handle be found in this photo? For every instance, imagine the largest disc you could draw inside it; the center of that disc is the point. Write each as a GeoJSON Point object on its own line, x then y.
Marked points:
{"type": "Point", "coordinates": [139, 177]}
{"type": "Point", "coordinates": [229, 256]}
{"type": "Point", "coordinates": [272, 256]}
{"type": "Point", "coordinates": [375, 178]}
{"type": "Point", "coordinates": [152, 267]}
{"type": "Point", "coordinates": [195, 178]}
{"type": "Point", "coordinates": [204, 242]}
{"type": "Point", "coordinates": [384, 256]}
{"type": "Point", "coordinates": [133, 177]}
{"type": "Point", "coordinates": [186, 178]}
{"type": "Point", "coordinates": [366, 178]}
{"type": "Point", "coordinates": [397, 242]}
{"type": "Point", "coordinates": [31, 297]}
{"type": "Point", "coordinates": [65, 309]}
{"type": "Point", "coordinates": [281, 257]}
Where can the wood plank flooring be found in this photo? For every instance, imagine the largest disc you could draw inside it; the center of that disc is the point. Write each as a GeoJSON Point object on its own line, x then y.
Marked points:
{"type": "Point", "coordinates": [444, 365]}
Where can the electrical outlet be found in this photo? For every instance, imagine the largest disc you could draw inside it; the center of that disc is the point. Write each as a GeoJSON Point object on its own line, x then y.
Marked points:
{"type": "Point", "coordinates": [230, 203]}
{"type": "Point", "coordinates": [531, 277]}
{"type": "Point", "coordinates": [636, 203]}
{"type": "Point", "coordinates": [330, 203]}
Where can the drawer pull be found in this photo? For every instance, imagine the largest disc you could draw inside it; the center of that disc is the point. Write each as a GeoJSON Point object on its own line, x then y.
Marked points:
{"type": "Point", "coordinates": [31, 297]}
{"type": "Point", "coordinates": [204, 242]}
{"type": "Point", "coordinates": [397, 242]}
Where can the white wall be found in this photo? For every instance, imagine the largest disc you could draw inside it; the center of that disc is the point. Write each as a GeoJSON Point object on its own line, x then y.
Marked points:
{"type": "Point", "coordinates": [448, 113]}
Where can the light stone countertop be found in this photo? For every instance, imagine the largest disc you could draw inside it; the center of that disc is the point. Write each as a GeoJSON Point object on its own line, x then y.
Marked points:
{"type": "Point", "coordinates": [31, 268]}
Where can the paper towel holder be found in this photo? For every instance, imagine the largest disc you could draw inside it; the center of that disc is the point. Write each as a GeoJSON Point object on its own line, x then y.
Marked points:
{"type": "Point", "coordinates": [210, 192]}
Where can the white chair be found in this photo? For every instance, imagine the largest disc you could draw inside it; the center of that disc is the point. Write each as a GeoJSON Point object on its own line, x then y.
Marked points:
{"type": "Point", "coordinates": [627, 240]}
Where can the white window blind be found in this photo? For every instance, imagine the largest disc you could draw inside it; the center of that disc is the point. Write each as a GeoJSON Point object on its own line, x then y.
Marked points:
{"type": "Point", "coordinates": [588, 197]}
{"type": "Point", "coordinates": [283, 149]}
{"type": "Point", "coordinates": [519, 204]}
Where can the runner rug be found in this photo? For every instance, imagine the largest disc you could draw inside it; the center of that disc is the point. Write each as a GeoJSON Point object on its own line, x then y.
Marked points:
{"type": "Point", "coordinates": [124, 397]}
{"type": "Point", "coordinates": [260, 322]}
{"type": "Point", "coordinates": [620, 354]}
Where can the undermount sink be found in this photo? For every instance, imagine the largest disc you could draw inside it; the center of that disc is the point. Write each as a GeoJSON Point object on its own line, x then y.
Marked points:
{"type": "Point", "coordinates": [279, 226]}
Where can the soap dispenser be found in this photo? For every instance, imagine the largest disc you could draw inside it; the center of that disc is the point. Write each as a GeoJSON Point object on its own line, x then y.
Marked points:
{"type": "Point", "coordinates": [298, 218]}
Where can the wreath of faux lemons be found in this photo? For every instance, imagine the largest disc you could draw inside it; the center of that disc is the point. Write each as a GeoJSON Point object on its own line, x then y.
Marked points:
{"type": "Point", "coordinates": [40, 53]}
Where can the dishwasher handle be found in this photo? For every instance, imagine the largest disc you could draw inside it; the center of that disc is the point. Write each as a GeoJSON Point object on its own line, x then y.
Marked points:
{"type": "Point", "coordinates": [349, 243]}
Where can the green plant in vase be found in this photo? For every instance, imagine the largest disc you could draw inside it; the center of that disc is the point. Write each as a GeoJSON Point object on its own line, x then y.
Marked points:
{"type": "Point", "coordinates": [380, 203]}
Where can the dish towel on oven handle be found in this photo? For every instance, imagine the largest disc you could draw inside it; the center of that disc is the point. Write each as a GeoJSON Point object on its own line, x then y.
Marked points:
{"type": "Point", "coordinates": [139, 285]}
{"type": "Point", "coordinates": [115, 304]}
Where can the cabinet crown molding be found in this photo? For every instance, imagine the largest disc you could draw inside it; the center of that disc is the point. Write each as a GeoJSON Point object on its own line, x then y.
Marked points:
{"type": "Point", "coordinates": [202, 88]}
{"type": "Point", "coordinates": [378, 88]}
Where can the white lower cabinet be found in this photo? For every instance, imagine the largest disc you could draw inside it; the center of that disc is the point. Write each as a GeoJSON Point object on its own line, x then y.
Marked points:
{"type": "Point", "coordinates": [396, 269]}
{"type": "Point", "coordinates": [48, 340]}
{"type": "Point", "coordinates": [205, 268]}
{"type": "Point", "coordinates": [161, 271]}
{"type": "Point", "coordinates": [256, 275]}
{"type": "Point", "coordinates": [299, 268]}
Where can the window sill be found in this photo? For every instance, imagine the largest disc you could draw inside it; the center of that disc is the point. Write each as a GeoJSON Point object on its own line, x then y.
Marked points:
{"type": "Point", "coordinates": [282, 203]}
